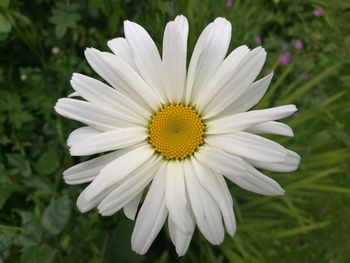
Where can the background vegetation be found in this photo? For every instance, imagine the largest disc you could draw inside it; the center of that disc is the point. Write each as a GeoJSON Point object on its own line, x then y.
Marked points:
{"type": "Point", "coordinates": [41, 45]}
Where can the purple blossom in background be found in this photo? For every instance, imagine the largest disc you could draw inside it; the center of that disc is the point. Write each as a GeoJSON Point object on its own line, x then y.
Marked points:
{"type": "Point", "coordinates": [229, 3]}
{"type": "Point", "coordinates": [257, 39]}
{"type": "Point", "coordinates": [317, 12]}
{"type": "Point", "coordinates": [285, 58]}
{"type": "Point", "coordinates": [296, 114]}
{"type": "Point", "coordinates": [298, 44]}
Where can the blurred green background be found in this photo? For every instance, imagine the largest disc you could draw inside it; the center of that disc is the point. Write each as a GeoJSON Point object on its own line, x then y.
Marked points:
{"type": "Point", "coordinates": [42, 44]}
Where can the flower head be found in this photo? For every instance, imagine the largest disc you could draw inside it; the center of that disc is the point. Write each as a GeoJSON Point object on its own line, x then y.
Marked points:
{"type": "Point", "coordinates": [317, 12]}
{"type": "Point", "coordinates": [257, 39]}
{"type": "Point", "coordinates": [285, 58]}
{"type": "Point", "coordinates": [298, 44]}
{"type": "Point", "coordinates": [178, 129]}
{"type": "Point", "coordinates": [229, 3]}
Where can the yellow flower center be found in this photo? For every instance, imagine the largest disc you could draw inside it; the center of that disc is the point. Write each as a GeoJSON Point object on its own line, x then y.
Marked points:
{"type": "Point", "coordinates": [176, 131]}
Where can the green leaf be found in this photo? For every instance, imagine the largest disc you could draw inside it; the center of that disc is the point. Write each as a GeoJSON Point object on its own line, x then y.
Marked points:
{"type": "Point", "coordinates": [48, 162]}
{"type": "Point", "coordinates": [38, 254]}
{"type": "Point", "coordinates": [4, 3]}
{"type": "Point", "coordinates": [5, 25]}
{"type": "Point", "coordinates": [5, 193]}
{"type": "Point", "coordinates": [57, 215]}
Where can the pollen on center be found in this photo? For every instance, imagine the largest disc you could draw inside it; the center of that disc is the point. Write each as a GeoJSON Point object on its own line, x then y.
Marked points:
{"type": "Point", "coordinates": [176, 131]}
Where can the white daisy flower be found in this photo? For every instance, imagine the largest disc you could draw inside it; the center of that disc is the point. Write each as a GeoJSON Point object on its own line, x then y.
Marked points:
{"type": "Point", "coordinates": [179, 130]}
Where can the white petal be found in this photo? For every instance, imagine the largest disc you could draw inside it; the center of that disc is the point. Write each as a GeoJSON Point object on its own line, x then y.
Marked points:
{"type": "Point", "coordinates": [227, 66]}
{"type": "Point", "coordinates": [152, 214]}
{"type": "Point", "coordinates": [249, 145]}
{"type": "Point", "coordinates": [210, 182]}
{"type": "Point", "coordinates": [208, 54]}
{"type": "Point", "coordinates": [97, 92]}
{"type": "Point", "coordinates": [205, 209]}
{"type": "Point", "coordinates": [146, 56]}
{"type": "Point", "coordinates": [87, 171]}
{"type": "Point", "coordinates": [271, 127]}
{"type": "Point", "coordinates": [244, 120]}
{"type": "Point", "coordinates": [174, 58]}
{"type": "Point", "coordinates": [118, 169]}
{"type": "Point", "coordinates": [290, 164]}
{"type": "Point", "coordinates": [250, 97]}
{"type": "Point", "coordinates": [175, 196]}
{"type": "Point", "coordinates": [128, 188]}
{"type": "Point", "coordinates": [130, 209]}
{"type": "Point", "coordinates": [180, 239]}
{"type": "Point", "coordinates": [74, 94]}
{"type": "Point", "coordinates": [80, 134]}
{"type": "Point", "coordinates": [92, 114]}
{"type": "Point", "coordinates": [120, 47]}
{"type": "Point", "coordinates": [257, 182]}
{"type": "Point", "coordinates": [231, 85]}
{"type": "Point", "coordinates": [221, 162]}
{"type": "Point", "coordinates": [122, 77]}
{"type": "Point", "coordinates": [85, 205]}
{"type": "Point", "coordinates": [108, 141]}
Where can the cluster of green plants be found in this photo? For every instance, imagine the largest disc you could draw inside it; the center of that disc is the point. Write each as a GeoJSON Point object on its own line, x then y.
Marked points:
{"type": "Point", "coordinates": [42, 44]}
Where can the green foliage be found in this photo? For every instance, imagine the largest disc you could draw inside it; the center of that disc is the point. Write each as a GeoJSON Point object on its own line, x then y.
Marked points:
{"type": "Point", "coordinates": [42, 44]}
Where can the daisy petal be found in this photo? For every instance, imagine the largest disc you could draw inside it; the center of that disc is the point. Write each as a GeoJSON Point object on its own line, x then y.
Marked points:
{"type": "Point", "coordinates": [152, 215]}
{"type": "Point", "coordinates": [221, 162]}
{"type": "Point", "coordinates": [122, 77]}
{"type": "Point", "coordinates": [130, 209]}
{"type": "Point", "coordinates": [271, 127]}
{"type": "Point", "coordinates": [130, 187]}
{"type": "Point", "coordinates": [249, 145]}
{"type": "Point", "coordinates": [244, 120]}
{"type": "Point", "coordinates": [180, 239]}
{"type": "Point", "coordinates": [208, 54]}
{"type": "Point", "coordinates": [91, 114]}
{"type": "Point", "coordinates": [174, 58]}
{"type": "Point", "coordinates": [118, 169]}
{"type": "Point", "coordinates": [108, 141]}
{"type": "Point", "coordinates": [97, 92]}
{"type": "Point", "coordinates": [250, 97]}
{"type": "Point", "coordinates": [289, 165]}
{"type": "Point", "coordinates": [175, 196]}
{"type": "Point", "coordinates": [230, 86]}
{"type": "Point", "coordinates": [146, 56]}
{"type": "Point", "coordinates": [81, 134]}
{"type": "Point", "coordinates": [256, 182]}
{"type": "Point", "coordinates": [120, 47]}
{"type": "Point", "coordinates": [87, 171]}
{"type": "Point", "coordinates": [210, 182]}
{"type": "Point", "coordinates": [205, 209]}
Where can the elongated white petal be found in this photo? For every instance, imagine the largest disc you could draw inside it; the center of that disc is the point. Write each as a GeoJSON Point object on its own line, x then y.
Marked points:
{"type": "Point", "coordinates": [242, 121]}
{"type": "Point", "coordinates": [208, 54]}
{"type": "Point", "coordinates": [249, 145]}
{"type": "Point", "coordinates": [257, 182]}
{"type": "Point", "coordinates": [129, 187]}
{"type": "Point", "coordinates": [84, 205]}
{"type": "Point", "coordinates": [110, 140]}
{"type": "Point", "coordinates": [289, 165]}
{"type": "Point", "coordinates": [88, 170]}
{"type": "Point", "coordinates": [249, 98]}
{"type": "Point", "coordinates": [205, 209]}
{"type": "Point", "coordinates": [122, 77]}
{"type": "Point", "coordinates": [230, 86]}
{"type": "Point", "coordinates": [120, 47]}
{"type": "Point", "coordinates": [210, 182]}
{"type": "Point", "coordinates": [97, 92]}
{"type": "Point", "coordinates": [175, 196]}
{"type": "Point", "coordinates": [221, 162]}
{"type": "Point", "coordinates": [130, 209]}
{"type": "Point", "coordinates": [152, 214]}
{"type": "Point", "coordinates": [174, 58]}
{"type": "Point", "coordinates": [74, 94]}
{"type": "Point", "coordinates": [228, 65]}
{"type": "Point", "coordinates": [93, 115]}
{"type": "Point", "coordinates": [180, 239]}
{"type": "Point", "coordinates": [81, 134]}
{"type": "Point", "coordinates": [146, 57]}
{"type": "Point", "coordinates": [118, 169]}
{"type": "Point", "coordinates": [271, 127]}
